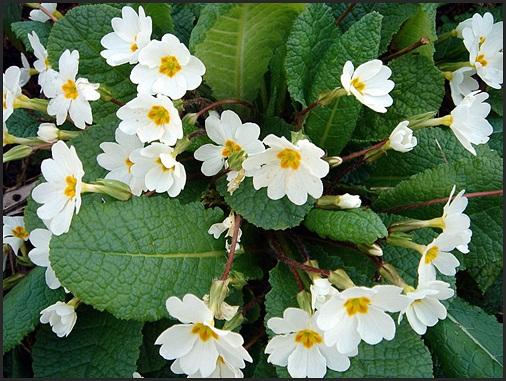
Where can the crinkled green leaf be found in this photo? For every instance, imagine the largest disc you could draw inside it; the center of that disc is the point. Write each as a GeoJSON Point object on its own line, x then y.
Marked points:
{"type": "Point", "coordinates": [423, 23]}
{"type": "Point", "coordinates": [419, 88]}
{"type": "Point", "coordinates": [351, 225]}
{"type": "Point", "coordinates": [11, 13]}
{"type": "Point", "coordinates": [312, 33]}
{"type": "Point", "coordinates": [23, 28]}
{"type": "Point", "coordinates": [183, 19]}
{"type": "Point", "coordinates": [469, 343]}
{"type": "Point", "coordinates": [81, 29]}
{"type": "Point", "coordinates": [330, 127]}
{"type": "Point", "coordinates": [150, 359]}
{"type": "Point", "coordinates": [22, 306]}
{"type": "Point", "coordinates": [276, 83]}
{"type": "Point", "coordinates": [496, 138]}
{"type": "Point", "coordinates": [260, 210]}
{"type": "Point", "coordinates": [22, 124]}
{"type": "Point", "coordinates": [496, 100]}
{"type": "Point", "coordinates": [129, 257]}
{"type": "Point", "coordinates": [99, 346]}
{"type": "Point", "coordinates": [283, 293]}
{"type": "Point", "coordinates": [237, 48]}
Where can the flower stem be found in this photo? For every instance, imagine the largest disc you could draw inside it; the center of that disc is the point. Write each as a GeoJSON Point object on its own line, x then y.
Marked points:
{"type": "Point", "coordinates": [300, 117]}
{"type": "Point", "coordinates": [422, 41]}
{"type": "Point", "coordinates": [348, 10]}
{"type": "Point", "coordinates": [230, 259]}
{"type": "Point", "coordinates": [442, 200]}
{"type": "Point", "coordinates": [364, 151]}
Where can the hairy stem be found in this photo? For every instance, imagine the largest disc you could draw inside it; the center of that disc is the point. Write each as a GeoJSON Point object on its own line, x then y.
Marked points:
{"type": "Point", "coordinates": [231, 254]}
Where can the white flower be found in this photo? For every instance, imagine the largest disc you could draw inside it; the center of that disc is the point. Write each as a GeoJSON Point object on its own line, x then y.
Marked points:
{"type": "Point", "coordinates": [14, 232]}
{"type": "Point", "coordinates": [48, 132]}
{"type": "Point", "coordinates": [69, 95]}
{"type": "Point", "coordinates": [116, 159]}
{"type": "Point", "coordinates": [159, 169]}
{"type": "Point", "coordinates": [299, 345]}
{"type": "Point", "coordinates": [132, 32]}
{"type": "Point", "coordinates": [38, 15]}
{"type": "Point", "coordinates": [425, 307]}
{"type": "Point", "coordinates": [228, 225]}
{"type": "Point", "coordinates": [166, 67]}
{"type": "Point", "coordinates": [222, 370]}
{"type": "Point", "coordinates": [232, 137]}
{"type": "Point", "coordinates": [11, 90]}
{"type": "Point", "coordinates": [136, 375]}
{"type": "Point", "coordinates": [348, 201]}
{"type": "Point", "coordinates": [401, 139]}
{"type": "Point", "coordinates": [42, 64]}
{"type": "Point", "coordinates": [61, 316]}
{"type": "Point", "coordinates": [488, 62]}
{"type": "Point", "coordinates": [358, 313]}
{"type": "Point", "coordinates": [462, 83]}
{"type": "Point", "coordinates": [455, 222]}
{"type": "Point", "coordinates": [197, 344]}
{"type": "Point", "coordinates": [24, 71]}
{"type": "Point", "coordinates": [369, 83]}
{"type": "Point", "coordinates": [468, 120]}
{"type": "Point", "coordinates": [151, 118]}
{"type": "Point", "coordinates": [39, 255]}
{"type": "Point", "coordinates": [321, 291]}
{"type": "Point", "coordinates": [437, 255]}
{"type": "Point", "coordinates": [61, 194]}
{"type": "Point", "coordinates": [288, 169]}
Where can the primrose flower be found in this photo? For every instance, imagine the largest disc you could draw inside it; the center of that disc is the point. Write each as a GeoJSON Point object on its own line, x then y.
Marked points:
{"type": "Point", "coordinates": [38, 15]}
{"type": "Point", "coordinates": [227, 225]}
{"type": "Point", "coordinates": [14, 232]}
{"type": "Point", "coordinates": [294, 170]}
{"type": "Point", "coordinates": [61, 316]}
{"type": "Point", "coordinates": [359, 313]}
{"type": "Point", "coordinates": [299, 346]}
{"type": "Point", "coordinates": [39, 255]}
{"type": "Point", "coordinates": [321, 291]}
{"type": "Point", "coordinates": [468, 120]}
{"type": "Point", "coordinates": [132, 32]}
{"type": "Point", "coordinates": [462, 83]}
{"type": "Point", "coordinates": [159, 169]}
{"type": "Point", "coordinates": [369, 83]}
{"type": "Point", "coordinates": [61, 194]}
{"type": "Point", "coordinates": [222, 370]}
{"type": "Point", "coordinates": [166, 67]}
{"type": "Point", "coordinates": [11, 90]}
{"type": "Point", "coordinates": [41, 64]}
{"type": "Point", "coordinates": [488, 62]}
{"type": "Point", "coordinates": [232, 137]}
{"type": "Point", "coordinates": [436, 255]}
{"type": "Point", "coordinates": [401, 139]}
{"type": "Point", "coordinates": [197, 345]}
{"type": "Point", "coordinates": [116, 159]}
{"type": "Point", "coordinates": [425, 308]}
{"type": "Point", "coordinates": [152, 118]}
{"type": "Point", "coordinates": [24, 71]}
{"type": "Point", "coordinates": [69, 95]}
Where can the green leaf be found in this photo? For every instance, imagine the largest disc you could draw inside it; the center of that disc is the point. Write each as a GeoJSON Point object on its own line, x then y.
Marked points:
{"type": "Point", "coordinates": [419, 88]}
{"type": "Point", "coordinates": [137, 254]}
{"type": "Point", "coordinates": [484, 261]}
{"type": "Point", "coordinates": [183, 19]}
{"type": "Point", "coordinates": [469, 343]}
{"type": "Point", "coordinates": [351, 225]}
{"type": "Point", "coordinates": [423, 23]}
{"type": "Point", "coordinates": [81, 29]}
{"type": "Point", "coordinates": [11, 13]}
{"type": "Point", "coordinates": [312, 33]}
{"type": "Point", "coordinates": [496, 100]}
{"type": "Point", "coordinates": [99, 346]}
{"type": "Point", "coordinates": [331, 127]}
{"type": "Point", "coordinates": [22, 306]}
{"type": "Point", "coordinates": [283, 293]}
{"type": "Point", "coordinates": [22, 124]}
{"type": "Point", "coordinates": [238, 46]}
{"type": "Point", "coordinates": [150, 359]}
{"type": "Point", "coordinates": [260, 210]}
{"type": "Point", "coordinates": [206, 20]}
{"type": "Point", "coordinates": [23, 28]}
{"type": "Point", "coordinates": [161, 15]}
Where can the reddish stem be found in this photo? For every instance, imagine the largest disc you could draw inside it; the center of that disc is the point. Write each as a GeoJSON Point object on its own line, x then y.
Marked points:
{"type": "Point", "coordinates": [116, 102]}
{"type": "Point", "coordinates": [442, 200]}
{"type": "Point", "coordinates": [422, 41]}
{"type": "Point", "coordinates": [364, 151]}
{"type": "Point", "coordinates": [235, 236]}
{"type": "Point", "coordinates": [348, 10]}
{"type": "Point", "coordinates": [300, 117]}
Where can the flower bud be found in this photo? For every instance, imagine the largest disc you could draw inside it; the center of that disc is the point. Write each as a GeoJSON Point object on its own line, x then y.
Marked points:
{"type": "Point", "coordinates": [326, 97]}
{"type": "Point", "coordinates": [345, 201]}
{"type": "Point", "coordinates": [304, 300]}
{"type": "Point", "coordinates": [334, 161]}
{"type": "Point", "coordinates": [114, 188]}
{"type": "Point", "coordinates": [17, 152]}
{"type": "Point", "coordinates": [390, 273]}
{"type": "Point", "coordinates": [401, 139]}
{"type": "Point", "coordinates": [340, 279]}
{"type": "Point", "coordinates": [190, 119]}
{"type": "Point", "coordinates": [48, 132]}
{"type": "Point", "coordinates": [373, 249]}
{"type": "Point", "coordinates": [217, 295]}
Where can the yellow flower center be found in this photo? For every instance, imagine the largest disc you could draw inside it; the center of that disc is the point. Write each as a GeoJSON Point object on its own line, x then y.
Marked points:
{"type": "Point", "coordinates": [289, 159]}
{"type": "Point", "coordinates": [431, 254]}
{"type": "Point", "coordinates": [230, 148]}
{"type": "Point", "coordinates": [20, 232]}
{"type": "Point", "coordinates": [70, 190]}
{"type": "Point", "coordinates": [70, 90]}
{"type": "Point", "coordinates": [357, 305]}
{"type": "Point", "coordinates": [164, 168]}
{"type": "Point", "coordinates": [360, 86]}
{"type": "Point", "coordinates": [5, 101]}
{"type": "Point", "coordinates": [220, 359]}
{"type": "Point", "coordinates": [482, 40]}
{"type": "Point", "coordinates": [169, 66]}
{"type": "Point", "coordinates": [204, 332]}
{"type": "Point", "coordinates": [46, 62]}
{"type": "Point", "coordinates": [159, 115]}
{"type": "Point", "coordinates": [481, 59]}
{"type": "Point", "coordinates": [134, 46]}
{"type": "Point", "coordinates": [129, 163]}
{"type": "Point", "coordinates": [308, 338]}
